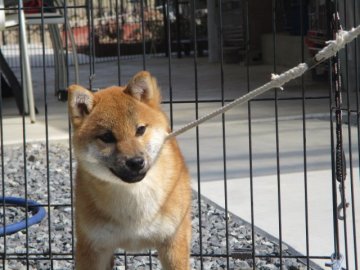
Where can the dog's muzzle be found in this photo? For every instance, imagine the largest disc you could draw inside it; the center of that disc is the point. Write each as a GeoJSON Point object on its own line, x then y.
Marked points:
{"type": "Point", "coordinates": [132, 171]}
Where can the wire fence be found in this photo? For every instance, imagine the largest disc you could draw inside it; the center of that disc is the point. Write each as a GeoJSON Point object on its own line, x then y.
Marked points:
{"type": "Point", "coordinates": [116, 26]}
{"type": "Point", "coordinates": [275, 183]}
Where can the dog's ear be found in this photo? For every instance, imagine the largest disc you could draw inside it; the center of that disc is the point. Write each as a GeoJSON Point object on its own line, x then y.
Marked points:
{"type": "Point", "coordinates": [144, 87]}
{"type": "Point", "coordinates": [81, 102]}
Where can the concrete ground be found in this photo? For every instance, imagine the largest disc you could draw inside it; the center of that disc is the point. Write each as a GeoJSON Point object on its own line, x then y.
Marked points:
{"type": "Point", "coordinates": [270, 175]}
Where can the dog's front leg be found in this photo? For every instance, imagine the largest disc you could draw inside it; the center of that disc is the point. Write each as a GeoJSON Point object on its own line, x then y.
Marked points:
{"type": "Point", "coordinates": [89, 257]}
{"type": "Point", "coordinates": [174, 254]}
{"type": "Point", "coordinates": [175, 257]}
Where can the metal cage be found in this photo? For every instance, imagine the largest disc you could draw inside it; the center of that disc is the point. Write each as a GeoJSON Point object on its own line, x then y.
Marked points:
{"type": "Point", "coordinates": [275, 183]}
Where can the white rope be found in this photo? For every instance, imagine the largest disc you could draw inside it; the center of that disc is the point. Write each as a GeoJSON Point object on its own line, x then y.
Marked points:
{"type": "Point", "coordinates": [280, 80]}
{"type": "Point", "coordinates": [277, 81]}
{"type": "Point", "coordinates": [342, 38]}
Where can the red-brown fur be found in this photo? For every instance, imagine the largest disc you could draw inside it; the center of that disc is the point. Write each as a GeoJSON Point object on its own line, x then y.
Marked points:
{"type": "Point", "coordinates": [110, 213]}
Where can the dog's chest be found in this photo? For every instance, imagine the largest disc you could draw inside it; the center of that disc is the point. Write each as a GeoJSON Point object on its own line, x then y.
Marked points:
{"type": "Point", "coordinates": [137, 221]}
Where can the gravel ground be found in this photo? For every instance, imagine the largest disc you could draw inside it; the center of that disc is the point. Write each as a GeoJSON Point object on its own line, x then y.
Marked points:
{"type": "Point", "coordinates": [57, 239]}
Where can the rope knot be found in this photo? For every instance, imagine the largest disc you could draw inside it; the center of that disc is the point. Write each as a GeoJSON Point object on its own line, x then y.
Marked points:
{"type": "Point", "coordinates": [333, 46]}
{"type": "Point", "coordinates": [278, 80]}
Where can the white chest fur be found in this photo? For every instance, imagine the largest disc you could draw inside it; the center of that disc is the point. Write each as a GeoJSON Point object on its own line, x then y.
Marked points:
{"type": "Point", "coordinates": [137, 218]}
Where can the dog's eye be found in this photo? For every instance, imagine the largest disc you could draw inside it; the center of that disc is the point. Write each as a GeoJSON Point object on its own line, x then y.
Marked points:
{"type": "Point", "coordinates": [140, 130]}
{"type": "Point", "coordinates": [107, 137]}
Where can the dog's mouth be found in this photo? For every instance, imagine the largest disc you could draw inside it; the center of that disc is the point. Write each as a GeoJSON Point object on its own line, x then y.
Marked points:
{"type": "Point", "coordinates": [128, 176]}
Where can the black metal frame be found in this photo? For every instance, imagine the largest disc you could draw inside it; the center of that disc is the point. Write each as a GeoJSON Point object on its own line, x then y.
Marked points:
{"type": "Point", "coordinates": [197, 101]}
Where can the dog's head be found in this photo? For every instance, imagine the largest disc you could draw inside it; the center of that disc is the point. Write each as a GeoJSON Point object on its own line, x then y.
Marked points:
{"type": "Point", "coordinates": [118, 131]}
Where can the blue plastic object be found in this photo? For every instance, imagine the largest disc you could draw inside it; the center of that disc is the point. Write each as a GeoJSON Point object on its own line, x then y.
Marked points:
{"type": "Point", "coordinates": [37, 211]}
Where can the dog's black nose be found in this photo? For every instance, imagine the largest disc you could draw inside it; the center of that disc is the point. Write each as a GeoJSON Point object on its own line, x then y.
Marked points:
{"type": "Point", "coordinates": [135, 163]}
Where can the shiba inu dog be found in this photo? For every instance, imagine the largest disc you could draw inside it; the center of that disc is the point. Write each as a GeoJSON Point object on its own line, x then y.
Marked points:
{"type": "Point", "coordinates": [132, 186]}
